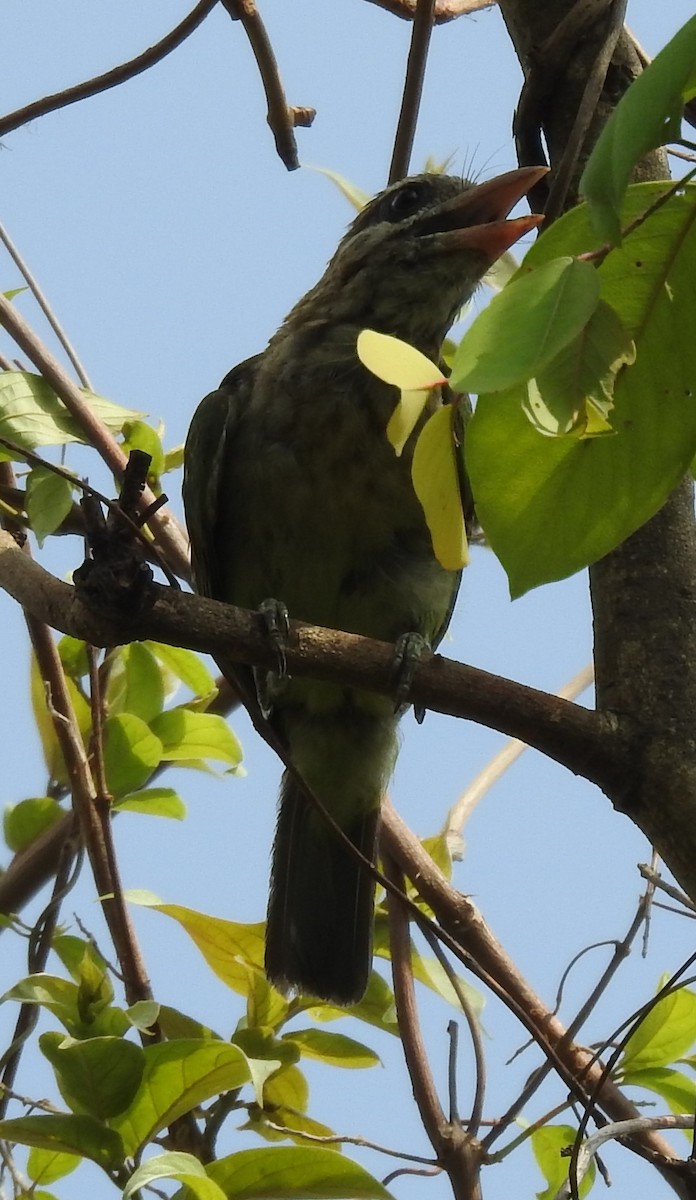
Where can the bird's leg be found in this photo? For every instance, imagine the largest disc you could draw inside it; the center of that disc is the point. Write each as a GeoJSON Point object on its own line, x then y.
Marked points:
{"type": "Point", "coordinates": [276, 626]}
{"type": "Point", "coordinates": [409, 649]}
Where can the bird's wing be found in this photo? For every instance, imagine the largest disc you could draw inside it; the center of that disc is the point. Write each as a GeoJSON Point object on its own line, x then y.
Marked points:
{"type": "Point", "coordinates": [208, 487]}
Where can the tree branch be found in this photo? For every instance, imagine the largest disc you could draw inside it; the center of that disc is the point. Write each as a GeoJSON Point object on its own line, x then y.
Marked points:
{"type": "Point", "coordinates": [282, 117]}
{"type": "Point", "coordinates": [114, 77]}
{"type": "Point", "coordinates": [581, 740]}
{"type": "Point", "coordinates": [413, 89]}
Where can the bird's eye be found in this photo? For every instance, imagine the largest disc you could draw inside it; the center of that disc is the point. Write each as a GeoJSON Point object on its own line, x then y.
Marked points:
{"type": "Point", "coordinates": [405, 202]}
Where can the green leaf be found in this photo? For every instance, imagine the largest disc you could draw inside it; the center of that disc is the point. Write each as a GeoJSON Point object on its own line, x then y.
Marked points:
{"type": "Point", "coordinates": [70, 1003]}
{"type": "Point", "coordinates": [67, 1134]}
{"type": "Point", "coordinates": [550, 506]}
{"type": "Point", "coordinates": [140, 436]}
{"type": "Point", "coordinates": [540, 312]}
{"type": "Point", "coordinates": [175, 1024]}
{"type": "Point", "coordinates": [177, 1077]}
{"type": "Point", "coordinates": [174, 458]}
{"type": "Point", "coordinates": [288, 1088]}
{"type": "Point", "coordinates": [548, 1144]}
{"type": "Point", "coordinates": [376, 1007]}
{"type": "Point", "coordinates": [73, 655]}
{"type": "Point", "coordinates": [265, 1004]}
{"type": "Point", "coordinates": [648, 115]}
{"type": "Point", "coordinates": [99, 1076]}
{"type": "Point", "coordinates": [667, 1032]}
{"type": "Point", "coordinates": [294, 1172]}
{"type": "Point", "coordinates": [676, 1088]}
{"type": "Point", "coordinates": [32, 415]}
{"type": "Point", "coordinates": [154, 802]}
{"type": "Point", "coordinates": [187, 666]}
{"type": "Point", "coordinates": [131, 753]}
{"type": "Point", "coordinates": [135, 683]}
{"type": "Point", "coordinates": [48, 501]}
{"type": "Point", "coordinates": [143, 1014]}
{"type": "Point", "coordinates": [45, 1166]}
{"type": "Point", "coordinates": [227, 947]}
{"type": "Point", "coordinates": [175, 1165]}
{"type": "Point", "coordinates": [185, 735]}
{"type": "Point", "coordinates": [574, 394]}
{"type": "Point", "coordinates": [332, 1048]}
{"type": "Point", "coordinates": [436, 484]}
{"type": "Point", "coordinates": [75, 953]}
{"type": "Point", "coordinates": [44, 721]}
{"type": "Point", "coordinates": [24, 822]}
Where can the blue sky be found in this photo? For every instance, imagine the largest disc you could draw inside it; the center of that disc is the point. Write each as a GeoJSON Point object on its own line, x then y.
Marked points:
{"type": "Point", "coordinates": [171, 242]}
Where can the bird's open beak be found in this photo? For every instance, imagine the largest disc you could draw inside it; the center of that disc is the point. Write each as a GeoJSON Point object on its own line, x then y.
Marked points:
{"type": "Point", "coordinates": [477, 219]}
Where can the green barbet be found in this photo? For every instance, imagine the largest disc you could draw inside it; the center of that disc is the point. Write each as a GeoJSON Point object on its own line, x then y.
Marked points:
{"type": "Point", "coordinates": [293, 491]}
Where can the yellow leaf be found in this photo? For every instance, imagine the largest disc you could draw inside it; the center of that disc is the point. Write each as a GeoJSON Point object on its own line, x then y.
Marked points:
{"type": "Point", "coordinates": [396, 362]}
{"type": "Point", "coordinates": [405, 417]}
{"type": "Point", "coordinates": [436, 483]}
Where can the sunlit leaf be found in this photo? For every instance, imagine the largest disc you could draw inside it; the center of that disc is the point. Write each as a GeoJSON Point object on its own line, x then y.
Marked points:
{"type": "Point", "coordinates": [294, 1172]}
{"type": "Point", "coordinates": [131, 753]}
{"type": "Point", "coordinates": [186, 735]}
{"type": "Point", "coordinates": [405, 417]}
{"type": "Point", "coordinates": [45, 1166]}
{"type": "Point", "coordinates": [154, 802]}
{"type": "Point", "coordinates": [48, 501]}
{"type": "Point", "coordinates": [177, 1077]}
{"type": "Point", "coordinates": [135, 683]}
{"type": "Point", "coordinates": [675, 1087]}
{"type": "Point", "coordinates": [436, 484]}
{"type": "Point", "coordinates": [548, 1144]}
{"type": "Point", "coordinates": [138, 435]}
{"type": "Point", "coordinates": [667, 1032]}
{"type": "Point", "coordinates": [333, 1048]}
{"type": "Point", "coordinates": [24, 822]}
{"type": "Point", "coordinates": [99, 1076]}
{"type": "Point", "coordinates": [32, 415]}
{"type": "Point", "coordinates": [66, 1134]}
{"type": "Point", "coordinates": [227, 946]}
{"type": "Point", "coordinates": [187, 666]}
{"type": "Point", "coordinates": [396, 362]}
{"type": "Point", "coordinates": [174, 1165]}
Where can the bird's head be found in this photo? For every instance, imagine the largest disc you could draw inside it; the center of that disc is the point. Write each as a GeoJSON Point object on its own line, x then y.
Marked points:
{"type": "Point", "coordinates": [417, 252]}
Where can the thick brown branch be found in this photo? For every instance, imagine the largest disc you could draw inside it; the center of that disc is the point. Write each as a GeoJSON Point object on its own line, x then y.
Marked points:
{"type": "Point", "coordinates": [462, 921]}
{"type": "Point", "coordinates": [579, 739]}
{"type": "Point", "coordinates": [120, 74]}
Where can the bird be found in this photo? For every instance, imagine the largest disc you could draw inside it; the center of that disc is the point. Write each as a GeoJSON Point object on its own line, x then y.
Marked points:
{"type": "Point", "coordinates": [296, 502]}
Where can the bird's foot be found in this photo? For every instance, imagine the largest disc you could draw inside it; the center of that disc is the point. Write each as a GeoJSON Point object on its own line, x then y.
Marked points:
{"type": "Point", "coordinates": [408, 651]}
{"type": "Point", "coordinates": [276, 623]}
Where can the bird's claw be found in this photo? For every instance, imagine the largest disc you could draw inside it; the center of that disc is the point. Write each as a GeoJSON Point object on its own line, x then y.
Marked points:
{"type": "Point", "coordinates": [409, 649]}
{"type": "Point", "coordinates": [276, 623]}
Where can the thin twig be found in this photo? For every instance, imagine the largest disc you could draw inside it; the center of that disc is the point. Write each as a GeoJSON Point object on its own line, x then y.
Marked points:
{"type": "Point", "coordinates": [621, 951]}
{"type": "Point", "coordinates": [654, 877]}
{"type": "Point", "coordinates": [112, 78]}
{"type": "Point", "coordinates": [413, 90]}
{"type": "Point", "coordinates": [281, 117]}
{"type": "Point", "coordinates": [474, 1121]}
{"type": "Point", "coordinates": [422, 1082]}
{"type": "Point", "coordinates": [165, 527]}
{"type": "Point", "coordinates": [619, 1130]}
{"type": "Point", "coordinates": [563, 173]}
{"type": "Point", "coordinates": [502, 761]}
{"type": "Point", "coordinates": [42, 301]}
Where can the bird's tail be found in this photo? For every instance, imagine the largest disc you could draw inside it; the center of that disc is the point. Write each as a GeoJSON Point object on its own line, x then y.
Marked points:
{"type": "Point", "coordinates": [320, 911]}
